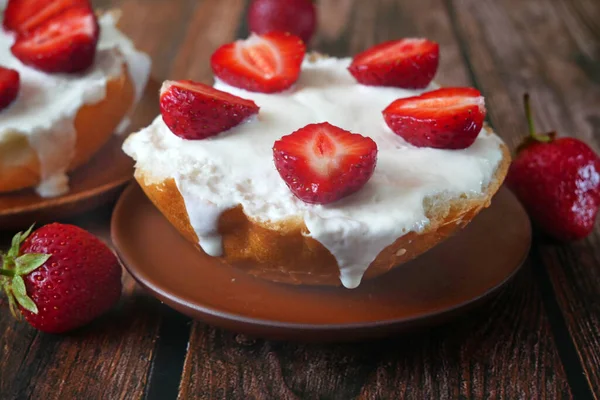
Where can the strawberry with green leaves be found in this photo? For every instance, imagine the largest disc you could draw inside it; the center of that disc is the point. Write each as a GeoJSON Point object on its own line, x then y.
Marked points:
{"type": "Point", "coordinates": [558, 182]}
{"type": "Point", "coordinates": [59, 277]}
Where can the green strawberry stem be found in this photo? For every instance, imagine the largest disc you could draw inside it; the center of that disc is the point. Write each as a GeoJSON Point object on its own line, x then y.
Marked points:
{"type": "Point", "coordinates": [544, 138]}
{"type": "Point", "coordinates": [7, 272]}
{"type": "Point", "coordinates": [14, 267]}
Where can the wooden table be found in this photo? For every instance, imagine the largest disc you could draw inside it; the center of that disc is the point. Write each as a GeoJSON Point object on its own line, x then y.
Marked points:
{"type": "Point", "coordinates": [539, 339]}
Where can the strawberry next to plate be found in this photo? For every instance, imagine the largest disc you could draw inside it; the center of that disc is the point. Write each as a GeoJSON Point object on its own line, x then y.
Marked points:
{"type": "Point", "coordinates": [558, 182]}
{"type": "Point", "coordinates": [59, 277]}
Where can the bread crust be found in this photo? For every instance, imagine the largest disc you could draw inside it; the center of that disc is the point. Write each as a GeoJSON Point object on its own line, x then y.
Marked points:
{"type": "Point", "coordinates": [94, 124]}
{"type": "Point", "coordinates": [283, 253]}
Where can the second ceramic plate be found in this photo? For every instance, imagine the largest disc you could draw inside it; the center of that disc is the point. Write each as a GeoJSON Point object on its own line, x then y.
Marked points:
{"type": "Point", "coordinates": [449, 279]}
{"type": "Point", "coordinates": [97, 182]}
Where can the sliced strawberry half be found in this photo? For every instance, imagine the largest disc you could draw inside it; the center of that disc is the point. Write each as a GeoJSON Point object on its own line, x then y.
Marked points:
{"type": "Point", "coordinates": [9, 86]}
{"type": "Point", "coordinates": [195, 111]}
{"type": "Point", "coordinates": [23, 16]}
{"type": "Point", "coordinates": [262, 63]}
{"type": "Point", "coordinates": [409, 63]}
{"type": "Point", "coordinates": [448, 118]}
{"type": "Point", "coordinates": [66, 43]}
{"type": "Point", "coordinates": [322, 163]}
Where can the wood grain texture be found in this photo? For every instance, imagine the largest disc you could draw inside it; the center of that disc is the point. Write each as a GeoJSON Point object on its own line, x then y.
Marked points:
{"type": "Point", "coordinates": [112, 358]}
{"type": "Point", "coordinates": [552, 50]}
{"type": "Point", "coordinates": [505, 350]}
{"type": "Point", "coordinates": [157, 27]}
{"type": "Point", "coordinates": [212, 24]}
{"type": "Point", "coordinates": [115, 349]}
{"type": "Point", "coordinates": [495, 352]}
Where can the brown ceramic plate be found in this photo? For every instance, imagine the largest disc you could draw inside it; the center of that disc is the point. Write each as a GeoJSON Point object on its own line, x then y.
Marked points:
{"type": "Point", "coordinates": [92, 185]}
{"type": "Point", "coordinates": [455, 275]}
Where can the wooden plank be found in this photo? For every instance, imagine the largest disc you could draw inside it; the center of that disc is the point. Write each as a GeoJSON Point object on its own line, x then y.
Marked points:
{"type": "Point", "coordinates": [494, 352]}
{"type": "Point", "coordinates": [157, 27]}
{"type": "Point", "coordinates": [113, 356]}
{"type": "Point", "coordinates": [505, 350]}
{"type": "Point", "coordinates": [552, 49]}
{"type": "Point", "coordinates": [213, 24]}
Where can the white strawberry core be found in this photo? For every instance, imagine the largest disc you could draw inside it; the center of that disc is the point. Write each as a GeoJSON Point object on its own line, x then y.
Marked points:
{"type": "Point", "coordinates": [406, 47]}
{"type": "Point", "coordinates": [166, 86]}
{"type": "Point", "coordinates": [447, 103]}
{"type": "Point", "coordinates": [324, 153]}
{"type": "Point", "coordinates": [259, 55]}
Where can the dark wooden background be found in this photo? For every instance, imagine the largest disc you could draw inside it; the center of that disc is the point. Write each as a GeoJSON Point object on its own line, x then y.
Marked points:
{"type": "Point", "coordinates": [539, 339]}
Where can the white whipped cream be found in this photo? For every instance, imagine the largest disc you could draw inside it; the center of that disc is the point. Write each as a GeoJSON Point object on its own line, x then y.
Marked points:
{"type": "Point", "coordinates": [236, 167]}
{"type": "Point", "coordinates": [47, 104]}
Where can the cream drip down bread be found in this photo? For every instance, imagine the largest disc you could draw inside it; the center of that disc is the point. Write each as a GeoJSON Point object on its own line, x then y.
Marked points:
{"type": "Point", "coordinates": [303, 178]}
{"type": "Point", "coordinates": [63, 112]}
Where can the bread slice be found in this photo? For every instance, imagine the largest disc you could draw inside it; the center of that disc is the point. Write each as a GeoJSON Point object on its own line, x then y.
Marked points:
{"type": "Point", "coordinates": [94, 125]}
{"type": "Point", "coordinates": [282, 252]}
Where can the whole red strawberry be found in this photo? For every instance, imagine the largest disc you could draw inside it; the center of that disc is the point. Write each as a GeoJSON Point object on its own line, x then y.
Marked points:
{"type": "Point", "coordinates": [558, 182]}
{"type": "Point", "coordinates": [298, 17]}
{"type": "Point", "coordinates": [60, 278]}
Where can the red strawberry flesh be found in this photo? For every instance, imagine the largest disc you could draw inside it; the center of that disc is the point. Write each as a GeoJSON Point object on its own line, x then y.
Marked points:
{"type": "Point", "coordinates": [409, 63]}
{"type": "Point", "coordinates": [9, 86]}
{"type": "Point", "coordinates": [322, 163]}
{"type": "Point", "coordinates": [448, 118]}
{"type": "Point", "coordinates": [195, 111]}
{"type": "Point", "coordinates": [262, 63]}
{"type": "Point", "coordinates": [24, 15]}
{"type": "Point", "coordinates": [66, 43]}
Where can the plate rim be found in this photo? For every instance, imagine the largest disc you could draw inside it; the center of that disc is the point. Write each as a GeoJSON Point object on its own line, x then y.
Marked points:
{"type": "Point", "coordinates": [69, 198]}
{"type": "Point", "coordinates": [141, 115]}
{"type": "Point", "coordinates": [293, 326]}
